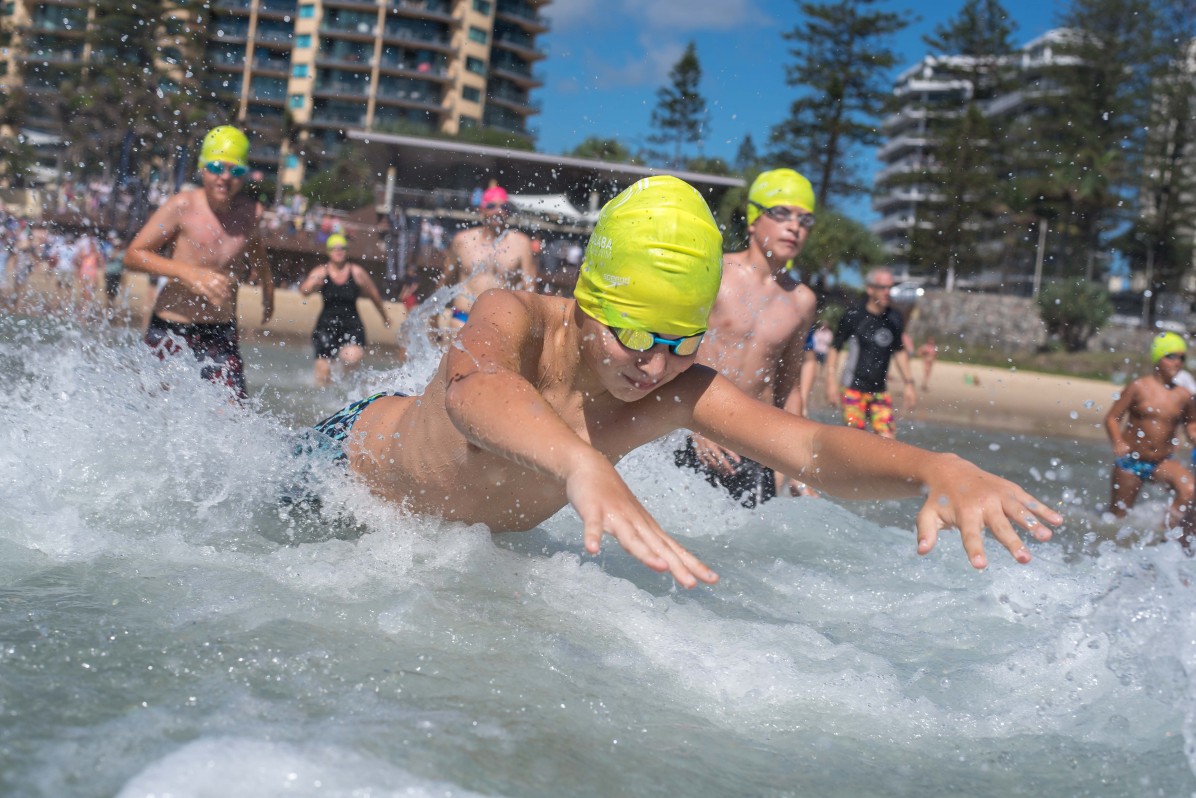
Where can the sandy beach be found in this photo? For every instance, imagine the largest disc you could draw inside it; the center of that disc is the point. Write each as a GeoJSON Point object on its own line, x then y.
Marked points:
{"type": "Point", "coordinates": [959, 394]}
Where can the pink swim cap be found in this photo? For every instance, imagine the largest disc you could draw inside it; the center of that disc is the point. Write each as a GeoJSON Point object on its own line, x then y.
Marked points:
{"type": "Point", "coordinates": [496, 194]}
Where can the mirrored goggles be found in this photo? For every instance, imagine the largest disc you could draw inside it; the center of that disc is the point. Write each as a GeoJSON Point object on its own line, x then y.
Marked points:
{"type": "Point", "coordinates": [218, 167]}
{"type": "Point", "coordinates": [642, 341]}
{"type": "Point", "coordinates": [783, 215]}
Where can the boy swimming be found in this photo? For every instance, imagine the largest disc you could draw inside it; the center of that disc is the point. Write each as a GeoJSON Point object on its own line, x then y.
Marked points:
{"type": "Point", "coordinates": [540, 397]}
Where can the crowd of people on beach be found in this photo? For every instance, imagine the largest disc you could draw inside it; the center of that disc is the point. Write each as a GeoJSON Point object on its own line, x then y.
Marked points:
{"type": "Point", "coordinates": [83, 269]}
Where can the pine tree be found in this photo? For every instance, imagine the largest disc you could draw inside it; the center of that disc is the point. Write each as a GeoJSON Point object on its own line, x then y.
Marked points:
{"type": "Point", "coordinates": [1086, 148]}
{"type": "Point", "coordinates": [1159, 241]}
{"type": "Point", "coordinates": [139, 77]}
{"type": "Point", "coordinates": [681, 116]}
{"type": "Point", "coordinates": [842, 58]}
{"type": "Point", "coordinates": [962, 178]}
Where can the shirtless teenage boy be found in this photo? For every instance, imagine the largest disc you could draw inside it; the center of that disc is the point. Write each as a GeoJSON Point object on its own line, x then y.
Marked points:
{"type": "Point", "coordinates": [758, 329]}
{"type": "Point", "coordinates": [491, 255]}
{"type": "Point", "coordinates": [1154, 408]}
{"type": "Point", "coordinates": [211, 234]}
{"type": "Point", "coordinates": [541, 396]}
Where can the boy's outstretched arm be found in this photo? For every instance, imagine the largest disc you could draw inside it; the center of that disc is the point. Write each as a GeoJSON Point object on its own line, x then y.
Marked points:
{"type": "Point", "coordinates": [853, 464]}
{"type": "Point", "coordinates": [492, 402]}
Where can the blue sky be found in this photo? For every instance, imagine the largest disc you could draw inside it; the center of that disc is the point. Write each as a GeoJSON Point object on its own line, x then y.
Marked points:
{"type": "Point", "coordinates": [607, 58]}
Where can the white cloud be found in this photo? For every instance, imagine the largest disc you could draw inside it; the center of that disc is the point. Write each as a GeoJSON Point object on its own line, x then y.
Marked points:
{"type": "Point", "coordinates": [660, 16]}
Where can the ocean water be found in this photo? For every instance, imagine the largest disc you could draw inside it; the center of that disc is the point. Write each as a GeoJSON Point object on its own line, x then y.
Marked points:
{"type": "Point", "coordinates": [167, 628]}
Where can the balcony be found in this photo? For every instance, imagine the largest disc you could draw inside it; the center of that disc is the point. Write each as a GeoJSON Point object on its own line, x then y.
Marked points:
{"type": "Point", "coordinates": [409, 93]}
{"type": "Point", "coordinates": [364, 6]}
{"type": "Point", "coordinates": [438, 10]}
{"type": "Point", "coordinates": [517, 73]}
{"type": "Point", "coordinates": [339, 119]}
{"type": "Point", "coordinates": [411, 68]}
{"type": "Point", "coordinates": [277, 8]}
{"type": "Point", "coordinates": [267, 61]}
{"type": "Point", "coordinates": [228, 30]}
{"type": "Point", "coordinates": [53, 55]}
{"type": "Point", "coordinates": [357, 89]}
{"type": "Point", "coordinates": [515, 102]}
{"type": "Point", "coordinates": [355, 24]}
{"type": "Point", "coordinates": [59, 21]}
{"type": "Point", "coordinates": [901, 144]}
{"type": "Point", "coordinates": [524, 16]}
{"type": "Point", "coordinates": [522, 45]}
{"type": "Point", "coordinates": [398, 31]}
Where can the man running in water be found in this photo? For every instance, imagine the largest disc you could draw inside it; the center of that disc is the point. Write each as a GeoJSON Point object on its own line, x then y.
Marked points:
{"type": "Point", "coordinates": [540, 397]}
{"type": "Point", "coordinates": [211, 235]}
{"type": "Point", "coordinates": [491, 255]}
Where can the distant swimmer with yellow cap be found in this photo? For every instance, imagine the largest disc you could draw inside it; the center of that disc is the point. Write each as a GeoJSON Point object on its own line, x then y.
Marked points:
{"type": "Point", "coordinates": [540, 396]}
{"type": "Point", "coordinates": [339, 333]}
{"type": "Point", "coordinates": [1143, 426]}
{"type": "Point", "coordinates": [491, 255]}
{"type": "Point", "coordinates": [758, 329]}
{"type": "Point", "coordinates": [206, 242]}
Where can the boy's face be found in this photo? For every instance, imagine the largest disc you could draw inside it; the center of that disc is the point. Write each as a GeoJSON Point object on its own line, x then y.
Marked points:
{"type": "Point", "coordinates": [627, 374]}
{"type": "Point", "coordinates": [782, 230]}
{"type": "Point", "coordinates": [222, 181]}
{"type": "Point", "coordinates": [1170, 365]}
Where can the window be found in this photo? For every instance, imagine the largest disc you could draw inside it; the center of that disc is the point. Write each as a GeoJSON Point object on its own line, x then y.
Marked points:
{"type": "Point", "coordinates": [299, 71]}
{"type": "Point", "coordinates": [307, 11]}
{"type": "Point", "coordinates": [303, 40]}
{"type": "Point", "coordinates": [297, 101]}
{"type": "Point", "coordinates": [482, 6]}
{"type": "Point", "coordinates": [471, 93]}
{"type": "Point", "coordinates": [475, 65]}
{"type": "Point", "coordinates": [477, 35]}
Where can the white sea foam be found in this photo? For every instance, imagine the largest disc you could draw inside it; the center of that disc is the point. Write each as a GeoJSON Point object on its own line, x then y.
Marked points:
{"type": "Point", "coordinates": [171, 629]}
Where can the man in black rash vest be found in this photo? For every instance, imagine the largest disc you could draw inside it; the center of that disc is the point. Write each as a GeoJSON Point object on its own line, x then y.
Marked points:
{"type": "Point", "coordinates": [339, 333]}
{"type": "Point", "coordinates": [872, 333]}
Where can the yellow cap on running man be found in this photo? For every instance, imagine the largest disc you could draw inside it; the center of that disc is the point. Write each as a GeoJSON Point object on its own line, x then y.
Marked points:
{"type": "Point", "coordinates": [1167, 343]}
{"type": "Point", "coordinates": [226, 144]}
{"type": "Point", "coordinates": [336, 240]}
{"type": "Point", "coordinates": [654, 260]}
{"type": "Point", "coordinates": [779, 187]}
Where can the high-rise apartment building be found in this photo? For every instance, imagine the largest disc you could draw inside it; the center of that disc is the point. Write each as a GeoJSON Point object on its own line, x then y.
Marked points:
{"type": "Point", "coordinates": [928, 92]}
{"type": "Point", "coordinates": [317, 68]}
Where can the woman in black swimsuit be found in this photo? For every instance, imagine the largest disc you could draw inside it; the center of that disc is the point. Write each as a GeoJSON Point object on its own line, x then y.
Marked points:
{"type": "Point", "coordinates": [339, 332]}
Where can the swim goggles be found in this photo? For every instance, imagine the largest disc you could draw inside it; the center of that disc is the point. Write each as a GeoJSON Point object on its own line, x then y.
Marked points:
{"type": "Point", "coordinates": [642, 341]}
{"type": "Point", "coordinates": [783, 215]}
{"type": "Point", "coordinates": [217, 168]}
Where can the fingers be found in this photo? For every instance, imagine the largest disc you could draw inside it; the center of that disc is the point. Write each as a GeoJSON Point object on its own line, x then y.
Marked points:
{"type": "Point", "coordinates": [648, 543]}
{"type": "Point", "coordinates": [998, 516]}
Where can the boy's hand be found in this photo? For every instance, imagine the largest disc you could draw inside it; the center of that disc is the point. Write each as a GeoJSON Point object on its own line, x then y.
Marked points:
{"type": "Point", "coordinates": [963, 496]}
{"type": "Point", "coordinates": [212, 286]}
{"type": "Point", "coordinates": [711, 455]}
{"type": "Point", "coordinates": [605, 504]}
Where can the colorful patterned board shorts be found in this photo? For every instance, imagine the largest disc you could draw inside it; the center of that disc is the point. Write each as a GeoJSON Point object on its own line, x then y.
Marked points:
{"type": "Point", "coordinates": [215, 347]}
{"type": "Point", "coordinates": [862, 410]}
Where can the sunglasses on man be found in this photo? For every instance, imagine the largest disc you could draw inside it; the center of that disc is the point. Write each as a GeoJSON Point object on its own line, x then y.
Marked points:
{"type": "Point", "coordinates": [783, 215]}
{"type": "Point", "coordinates": [642, 341]}
{"type": "Point", "coordinates": [218, 168]}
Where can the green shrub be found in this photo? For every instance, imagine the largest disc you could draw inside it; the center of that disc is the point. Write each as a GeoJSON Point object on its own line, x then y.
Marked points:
{"type": "Point", "coordinates": [1073, 311]}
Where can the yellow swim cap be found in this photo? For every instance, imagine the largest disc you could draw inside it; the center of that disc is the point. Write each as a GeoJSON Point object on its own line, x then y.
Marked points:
{"type": "Point", "coordinates": [654, 260]}
{"type": "Point", "coordinates": [779, 187]}
{"type": "Point", "coordinates": [1167, 343]}
{"type": "Point", "coordinates": [224, 143]}
{"type": "Point", "coordinates": [336, 240]}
